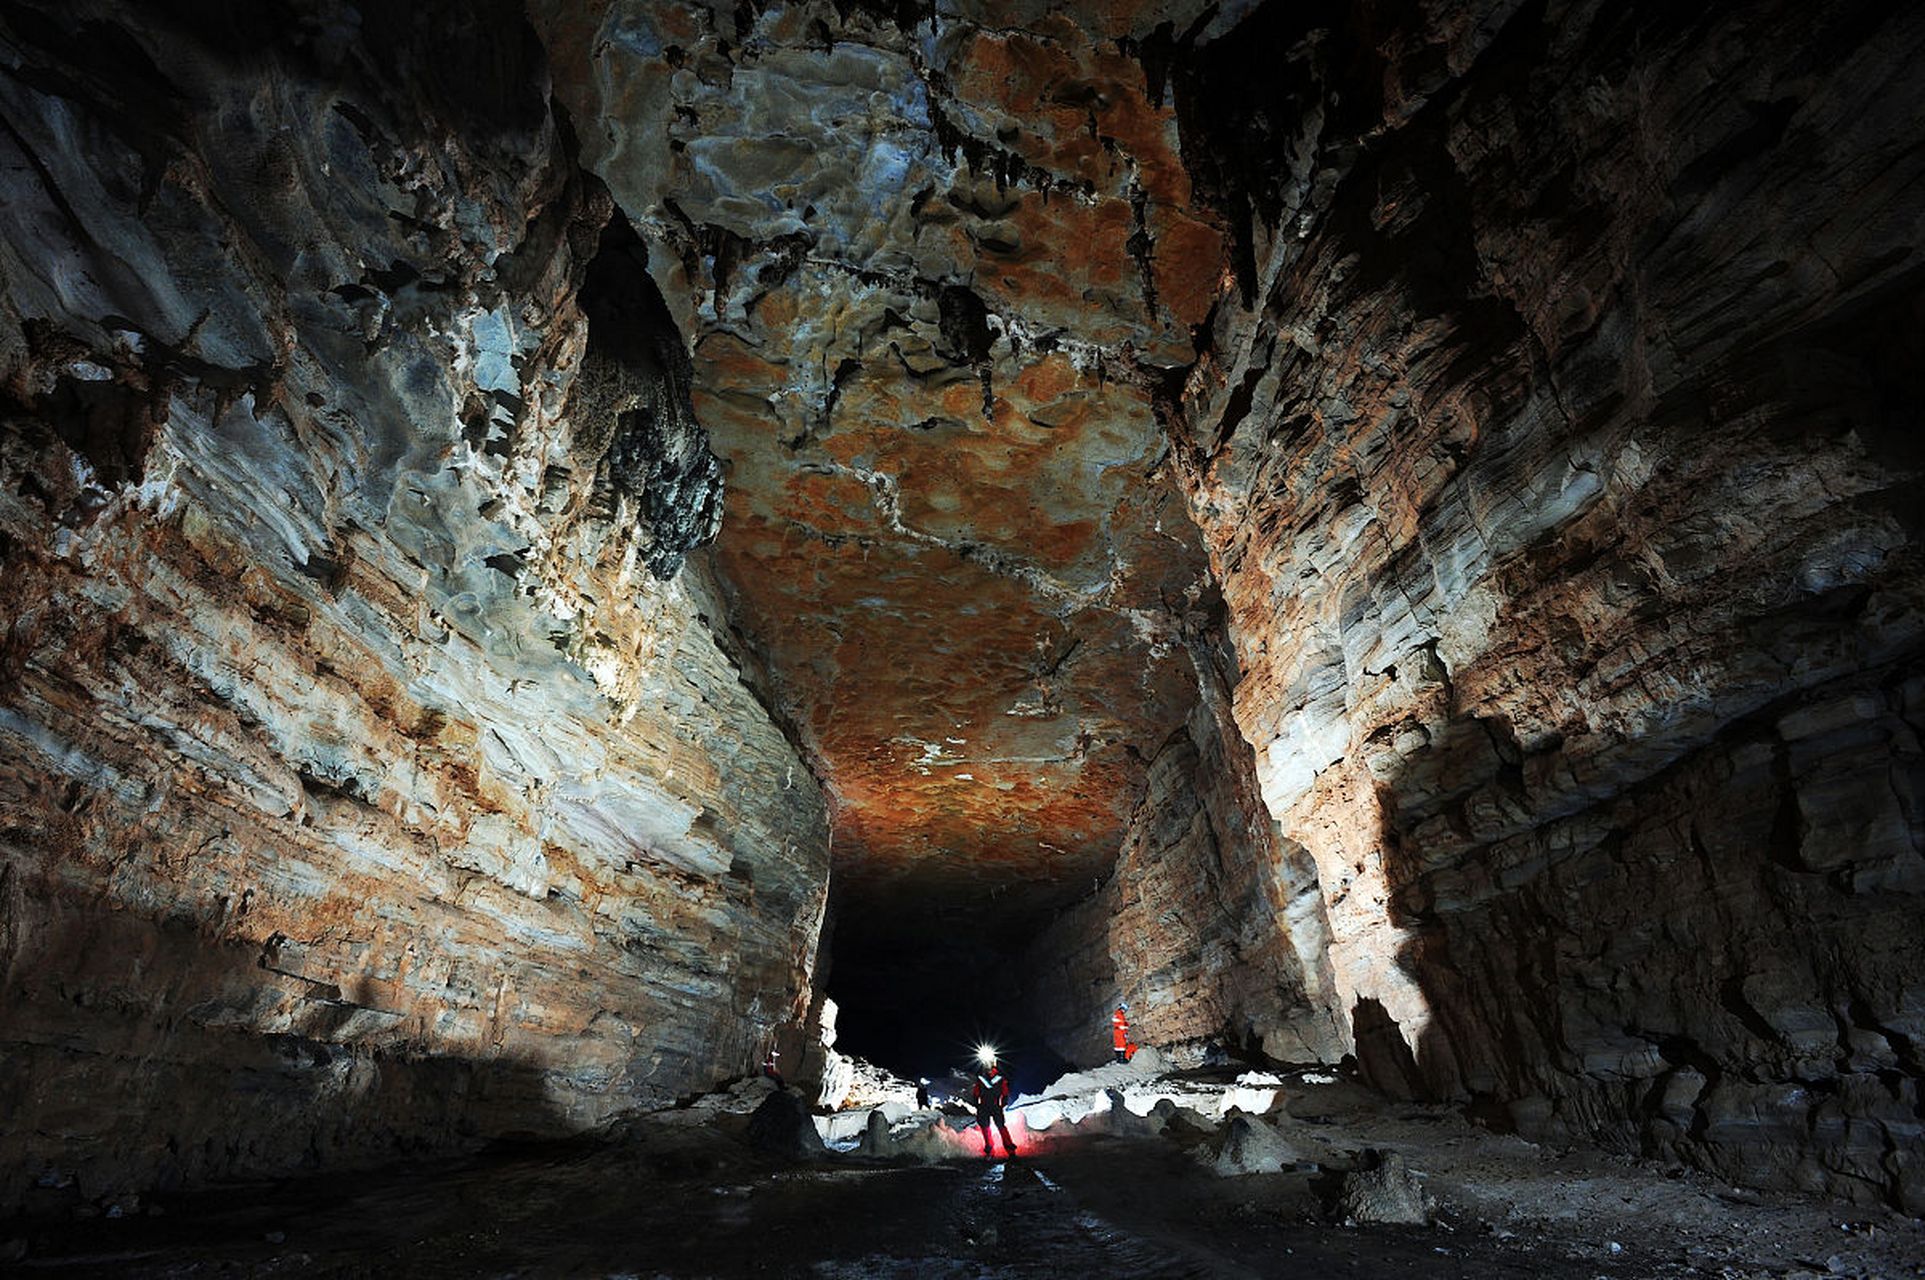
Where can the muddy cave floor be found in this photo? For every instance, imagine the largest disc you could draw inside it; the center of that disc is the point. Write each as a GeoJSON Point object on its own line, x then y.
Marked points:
{"type": "Point", "coordinates": [668, 1197]}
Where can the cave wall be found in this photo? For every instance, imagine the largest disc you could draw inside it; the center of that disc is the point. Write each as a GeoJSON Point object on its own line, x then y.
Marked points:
{"type": "Point", "coordinates": [939, 263]}
{"type": "Point", "coordinates": [371, 780]}
{"type": "Point", "coordinates": [1541, 377]}
{"type": "Point", "coordinates": [1211, 924]}
{"type": "Point", "coordinates": [1558, 454]}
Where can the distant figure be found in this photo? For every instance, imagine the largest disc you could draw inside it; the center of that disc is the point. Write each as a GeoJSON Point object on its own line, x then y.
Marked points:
{"type": "Point", "coordinates": [990, 1092]}
{"type": "Point", "coordinates": [770, 1070]}
{"type": "Point", "coordinates": [1120, 1032]}
{"type": "Point", "coordinates": [922, 1094]}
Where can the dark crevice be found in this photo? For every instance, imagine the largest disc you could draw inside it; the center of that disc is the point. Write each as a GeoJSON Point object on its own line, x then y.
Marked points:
{"type": "Point", "coordinates": [656, 453]}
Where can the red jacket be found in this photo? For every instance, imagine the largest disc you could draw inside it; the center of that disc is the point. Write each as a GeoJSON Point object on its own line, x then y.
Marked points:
{"type": "Point", "coordinates": [1120, 1029]}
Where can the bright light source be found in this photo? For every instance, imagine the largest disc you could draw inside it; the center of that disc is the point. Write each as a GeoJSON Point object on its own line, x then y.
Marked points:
{"type": "Point", "coordinates": [986, 1054]}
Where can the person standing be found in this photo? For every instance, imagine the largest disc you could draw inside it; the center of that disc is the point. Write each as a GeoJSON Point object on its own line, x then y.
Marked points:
{"type": "Point", "coordinates": [991, 1092]}
{"type": "Point", "coordinates": [1120, 1032]}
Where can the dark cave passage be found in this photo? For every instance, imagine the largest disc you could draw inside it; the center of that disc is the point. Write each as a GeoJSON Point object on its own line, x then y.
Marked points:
{"type": "Point", "coordinates": [923, 1010]}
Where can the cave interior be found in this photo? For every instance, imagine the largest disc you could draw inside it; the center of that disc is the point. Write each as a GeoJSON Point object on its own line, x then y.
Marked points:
{"type": "Point", "coordinates": [550, 549]}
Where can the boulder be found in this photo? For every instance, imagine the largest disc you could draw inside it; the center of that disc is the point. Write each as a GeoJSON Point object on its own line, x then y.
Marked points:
{"type": "Point", "coordinates": [875, 1140]}
{"type": "Point", "coordinates": [1250, 1145]}
{"type": "Point", "coordinates": [1383, 1191]}
{"type": "Point", "coordinates": [782, 1127]}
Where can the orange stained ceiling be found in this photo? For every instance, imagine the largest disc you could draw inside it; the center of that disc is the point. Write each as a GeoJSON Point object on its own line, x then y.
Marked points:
{"type": "Point", "coordinates": [928, 275]}
{"type": "Point", "coordinates": [969, 621]}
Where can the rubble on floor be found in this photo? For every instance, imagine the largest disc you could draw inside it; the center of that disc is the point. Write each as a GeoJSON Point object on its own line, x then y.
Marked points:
{"type": "Point", "coordinates": [1332, 1179]}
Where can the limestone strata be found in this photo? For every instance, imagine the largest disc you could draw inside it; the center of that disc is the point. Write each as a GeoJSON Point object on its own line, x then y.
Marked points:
{"type": "Point", "coordinates": [1559, 468]}
{"type": "Point", "coordinates": [369, 784]}
{"type": "Point", "coordinates": [1211, 925]}
{"type": "Point", "coordinates": [1539, 382]}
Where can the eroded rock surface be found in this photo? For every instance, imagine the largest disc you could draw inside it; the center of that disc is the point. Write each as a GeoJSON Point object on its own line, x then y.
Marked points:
{"type": "Point", "coordinates": [1211, 925]}
{"type": "Point", "coordinates": [370, 784]}
{"type": "Point", "coordinates": [1560, 467]}
{"type": "Point", "coordinates": [1376, 529]}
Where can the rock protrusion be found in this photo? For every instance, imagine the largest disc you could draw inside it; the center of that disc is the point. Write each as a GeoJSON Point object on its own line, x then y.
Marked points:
{"type": "Point", "coordinates": [875, 1139]}
{"type": "Point", "coordinates": [1250, 1145]}
{"type": "Point", "coordinates": [633, 394]}
{"type": "Point", "coordinates": [782, 1127]}
{"type": "Point", "coordinates": [1384, 1191]}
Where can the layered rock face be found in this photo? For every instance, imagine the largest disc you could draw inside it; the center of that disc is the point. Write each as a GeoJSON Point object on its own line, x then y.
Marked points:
{"type": "Point", "coordinates": [371, 782]}
{"type": "Point", "coordinates": [1561, 469]}
{"type": "Point", "coordinates": [941, 269]}
{"type": "Point", "coordinates": [1211, 925]}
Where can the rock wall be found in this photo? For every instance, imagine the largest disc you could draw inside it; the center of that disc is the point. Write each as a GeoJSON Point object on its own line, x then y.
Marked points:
{"type": "Point", "coordinates": [1557, 451]}
{"type": "Point", "coordinates": [1210, 925]}
{"type": "Point", "coordinates": [370, 782]}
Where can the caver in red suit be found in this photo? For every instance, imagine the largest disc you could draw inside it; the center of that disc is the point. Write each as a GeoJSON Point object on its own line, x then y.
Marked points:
{"type": "Point", "coordinates": [990, 1092]}
{"type": "Point", "coordinates": [1120, 1033]}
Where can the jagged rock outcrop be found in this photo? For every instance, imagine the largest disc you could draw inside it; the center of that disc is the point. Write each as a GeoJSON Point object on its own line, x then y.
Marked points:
{"type": "Point", "coordinates": [364, 792]}
{"type": "Point", "coordinates": [1558, 459]}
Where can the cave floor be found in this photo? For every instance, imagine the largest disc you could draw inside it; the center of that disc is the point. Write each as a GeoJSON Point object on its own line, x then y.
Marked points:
{"type": "Point", "coordinates": [677, 1198]}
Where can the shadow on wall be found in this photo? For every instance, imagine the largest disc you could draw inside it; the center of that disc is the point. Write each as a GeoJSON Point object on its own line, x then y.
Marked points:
{"type": "Point", "coordinates": [140, 1056]}
{"type": "Point", "coordinates": [1384, 1058]}
{"type": "Point", "coordinates": [1717, 964]}
{"type": "Point", "coordinates": [1699, 942]}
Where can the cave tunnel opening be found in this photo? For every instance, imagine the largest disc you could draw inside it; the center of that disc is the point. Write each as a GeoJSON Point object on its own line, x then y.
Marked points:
{"type": "Point", "coordinates": [919, 1001]}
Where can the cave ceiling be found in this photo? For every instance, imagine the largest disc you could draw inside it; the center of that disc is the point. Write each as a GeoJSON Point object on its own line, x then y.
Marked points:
{"type": "Point", "coordinates": [933, 269]}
